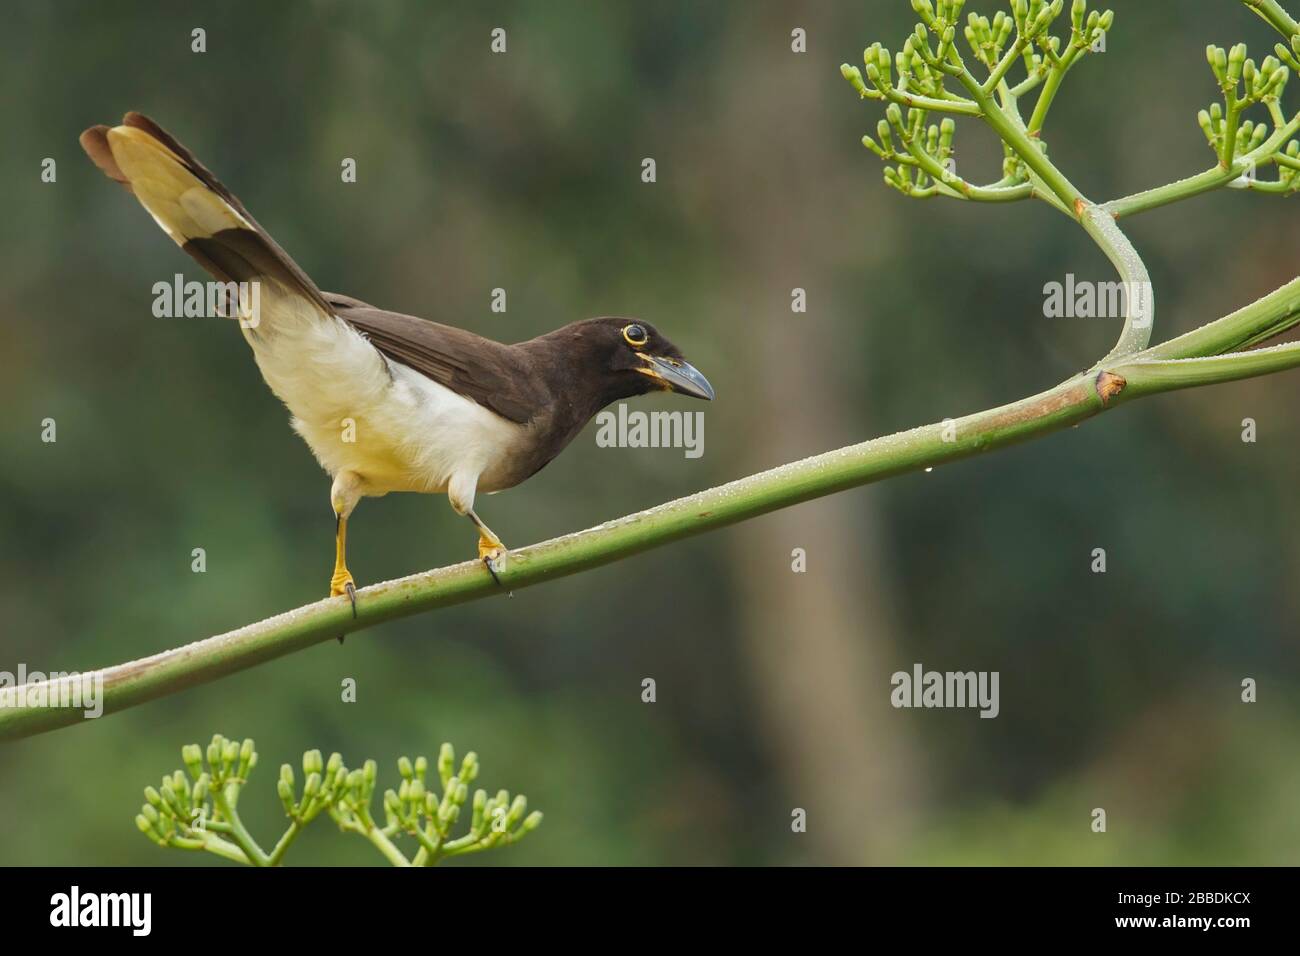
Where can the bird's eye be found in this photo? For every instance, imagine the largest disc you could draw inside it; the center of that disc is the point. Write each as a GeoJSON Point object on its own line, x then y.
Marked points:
{"type": "Point", "coordinates": [635, 334]}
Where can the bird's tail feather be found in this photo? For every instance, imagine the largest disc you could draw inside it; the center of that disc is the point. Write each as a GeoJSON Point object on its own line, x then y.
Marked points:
{"type": "Point", "coordinates": [193, 207]}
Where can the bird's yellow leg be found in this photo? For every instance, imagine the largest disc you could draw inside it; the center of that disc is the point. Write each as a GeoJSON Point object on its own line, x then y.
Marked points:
{"type": "Point", "coordinates": [491, 550]}
{"type": "Point", "coordinates": [342, 582]}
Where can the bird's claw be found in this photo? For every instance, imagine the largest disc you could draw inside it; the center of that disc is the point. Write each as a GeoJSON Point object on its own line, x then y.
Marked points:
{"type": "Point", "coordinates": [342, 584]}
{"type": "Point", "coordinates": [493, 555]}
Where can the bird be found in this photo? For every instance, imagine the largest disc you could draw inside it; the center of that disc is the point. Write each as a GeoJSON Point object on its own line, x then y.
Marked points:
{"type": "Point", "coordinates": [390, 402]}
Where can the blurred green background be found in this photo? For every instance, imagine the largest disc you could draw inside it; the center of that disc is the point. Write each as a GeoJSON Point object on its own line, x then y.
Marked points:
{"type": "Point", "coordinates": [522, 171]}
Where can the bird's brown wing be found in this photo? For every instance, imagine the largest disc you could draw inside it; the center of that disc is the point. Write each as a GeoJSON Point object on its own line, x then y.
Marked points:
{"type": "Point", "coordinates": [488, 372]}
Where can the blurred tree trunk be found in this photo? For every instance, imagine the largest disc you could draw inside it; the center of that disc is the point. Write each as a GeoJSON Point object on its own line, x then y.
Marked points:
{"type": "Point", "coordinates": [820, 642]}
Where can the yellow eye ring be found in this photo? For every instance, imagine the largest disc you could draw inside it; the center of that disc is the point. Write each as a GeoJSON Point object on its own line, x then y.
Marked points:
{"type": "Point", "coordinates": [635, 335]}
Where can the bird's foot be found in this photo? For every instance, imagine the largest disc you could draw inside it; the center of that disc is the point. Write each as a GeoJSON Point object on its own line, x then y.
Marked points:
{"type": "Point", "coordinates": [342, 584]}
{"type": "Point", "coordinates": [493, 555]}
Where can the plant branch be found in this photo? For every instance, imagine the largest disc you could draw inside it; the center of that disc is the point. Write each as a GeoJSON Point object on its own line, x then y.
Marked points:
{"type": "Point", "coordinates": [1271, 11]}
{"type": "Point", "coordinates": [927, 446]}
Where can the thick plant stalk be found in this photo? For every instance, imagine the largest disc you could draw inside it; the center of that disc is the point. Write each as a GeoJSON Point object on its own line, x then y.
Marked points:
{"type": "Point", "coordinates": [1069, 403]}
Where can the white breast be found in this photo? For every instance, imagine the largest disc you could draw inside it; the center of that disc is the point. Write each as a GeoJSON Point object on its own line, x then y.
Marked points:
{"type": "Point", "coordinates": [395, 428]}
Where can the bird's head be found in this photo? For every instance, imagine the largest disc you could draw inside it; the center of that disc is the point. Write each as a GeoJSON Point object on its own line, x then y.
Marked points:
{"type": "Point", "coordinates": [635, 359]}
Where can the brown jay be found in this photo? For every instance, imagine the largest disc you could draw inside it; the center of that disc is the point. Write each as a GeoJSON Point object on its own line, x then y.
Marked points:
{"type": "Point", "coordinates": [390, 402]}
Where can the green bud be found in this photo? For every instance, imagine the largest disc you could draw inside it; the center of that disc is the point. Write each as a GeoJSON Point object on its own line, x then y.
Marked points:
{"type": "Point", "coordinates": [469, 768]}
{"type": "Point", "coordinates": [147, 829]}
{"type": "Point", "coordinates": [1019, 12]}
{"type": "Point", "coordinates": [884, 131]}
{"type": "Point", "coordinates": [285, 792]}
{"type": "Point", "coordinates": [1203, 117]}
{"type": "Point", "coordinates": [479, 805]}
{"type": "Point", "coordinates": [517, 810]}
{"type": "Point", "coordinates": [311, 787]}
{"type": "Point", "coordinates": [883, 59]}
{"type": "Point", "coordinates": [405, 768]}
{"type": "Point", "coordinates": [1045, 18]}
{"type": "Point", "coordinates": [447, 756]}
{"type": "Point", "coordinates": [286, 774]}
{"type": "Point", "coordinates": [392, 802]}
{"type": "Point", "coordinates": [1286, 57]}
{"type": "Point", "coordinates": [192, 757]}
{"type": "Point", "coordinates": [371, 769]}
{"type": "Point", "coordinates": [1236, 63]}
{"type": "Point", "coordinates": [201, 789]}
{"type": "Point", "coordinates": [312, 762]}
{"type": "Point", "coordinates": [153, 797]}
{"type": "Point", "coordinates": [1277, 82]}
{"type": "Point", "coordinates": [229, 754]}
{"type": "Point", "coordinates": [150, 813]}
{"type": "Point", "coordinates": [1218, 61]}
{"type": "Point", "coordinates": [532, 821]}
{"type": "Point", "coordinates": [169, 797]}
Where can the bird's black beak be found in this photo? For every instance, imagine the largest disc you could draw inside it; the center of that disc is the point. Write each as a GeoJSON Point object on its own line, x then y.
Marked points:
{"type": "Point", "coordinates": [677, 375]}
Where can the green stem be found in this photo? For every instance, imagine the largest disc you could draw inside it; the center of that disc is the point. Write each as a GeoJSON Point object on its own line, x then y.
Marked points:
{"type": "Point", "coordinates": [385, 846]}
{"type": "Point", "coordinates": [282, 845]}
{"type": "Point", "coordinates": [241, 837]}
{"type": "Point", "coordinates": [218, 847]}
{"type": "Point", "coordinates": [1271, 11]}
{"type": "Point", "coordinates": [127, 685]}
{"type": "Point", "coordinates": [1054, 77]}
{"type": "Point", "coordinates": [913, 101]}
{"type": "Point", "coordinates": [1148, 376]}
{"type": "Point", "coordinates": [1173, 192]}
{"type": "Point", "coordinates": [430, 846]}
{"type": "Point", "coordinates": [1069, 403]}
{"type": "Point", "coordinates": [1264, 317]}
{"type": "Point", "coordinates": [999, 73]}
{"type": "Point", "coordinates": [953, 185]}
{"type": "Point", "coordinates": [1139, 305]}
{"type": "Point", "coordinates": [1211, 179]}
{"type": "Point", "coordinates": [1014, 135]}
